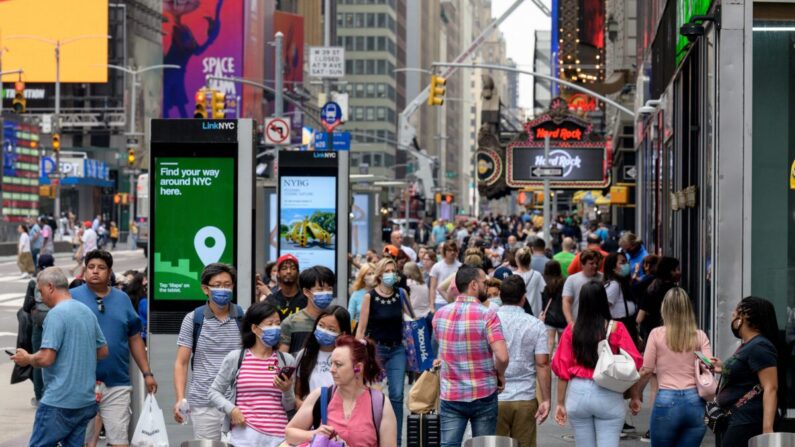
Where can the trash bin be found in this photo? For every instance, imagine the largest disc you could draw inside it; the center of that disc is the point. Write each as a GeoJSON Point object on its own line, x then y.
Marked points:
{"type": "Point", "coordinates": [773, 440]}
{"type": "Point", "coordinates": [204, 443]}
{"type": "Point", "coordinates": [491, 441]}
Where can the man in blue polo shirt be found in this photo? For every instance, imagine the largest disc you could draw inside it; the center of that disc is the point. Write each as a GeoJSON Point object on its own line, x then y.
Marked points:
{"type": "Point", "coordinates": [122, 329]}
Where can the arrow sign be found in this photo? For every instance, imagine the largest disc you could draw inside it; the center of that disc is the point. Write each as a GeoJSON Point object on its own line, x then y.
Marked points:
{"type": "Point", "coordinates": [630, 172]}
{"type": "Point", "coordinates": [546, 171]}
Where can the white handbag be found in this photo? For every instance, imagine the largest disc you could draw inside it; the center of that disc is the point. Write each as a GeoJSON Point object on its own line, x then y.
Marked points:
{"type": "Point", "coordinates": [616, 372]}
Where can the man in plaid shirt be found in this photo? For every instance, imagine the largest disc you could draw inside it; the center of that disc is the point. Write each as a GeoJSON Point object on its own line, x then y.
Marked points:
{"type": "Point", "coordinates": [473, 356]}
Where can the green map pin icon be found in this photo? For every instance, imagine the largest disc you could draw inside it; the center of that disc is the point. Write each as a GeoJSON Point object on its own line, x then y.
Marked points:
{"type": "Point", "coordinates": [209, 253]}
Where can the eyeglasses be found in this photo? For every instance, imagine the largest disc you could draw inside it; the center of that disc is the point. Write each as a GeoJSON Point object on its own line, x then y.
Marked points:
{"type": "Point", "coordinates": [100, 306]}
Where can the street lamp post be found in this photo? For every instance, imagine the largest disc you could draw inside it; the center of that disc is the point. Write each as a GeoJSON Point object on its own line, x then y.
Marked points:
{"type": "Point", "coordinates": [57, 43]}
{"type": "Point", "coordinates": [133, 104]}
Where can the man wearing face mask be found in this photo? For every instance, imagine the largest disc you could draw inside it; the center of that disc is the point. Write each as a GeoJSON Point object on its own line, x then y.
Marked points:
{"type": "Point", "coordinates": [317, 284]}
{"type": "Point", "coordinates": [288, 299]}
{"type": "Point", "coordinates": [207, 334]}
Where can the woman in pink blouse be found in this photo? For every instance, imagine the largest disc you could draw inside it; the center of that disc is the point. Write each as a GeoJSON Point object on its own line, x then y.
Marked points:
{"type": "Point", "coordinates": [677, 418]}
{"type": "Point", "coordinates": [596, 414]}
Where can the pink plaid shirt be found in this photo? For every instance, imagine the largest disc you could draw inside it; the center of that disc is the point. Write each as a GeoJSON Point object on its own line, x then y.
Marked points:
{"type": "Point", "coordinates": [465, 331]}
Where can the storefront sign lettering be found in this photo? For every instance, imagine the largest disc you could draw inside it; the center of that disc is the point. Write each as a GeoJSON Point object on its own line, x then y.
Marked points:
{"type": "Point", "coordinates": [559, 134]}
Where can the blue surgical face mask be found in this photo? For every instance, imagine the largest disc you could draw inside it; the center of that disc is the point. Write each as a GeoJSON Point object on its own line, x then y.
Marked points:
{"type": "Point", "coordinates": [220, 296]}
{"type": "Point", "coordinates": [271, 335]}
{"type": "Point", "coordinates": [325, 337]}
{"type": "Point", "coordinates": [624, 270]}
{"type": "Point", "coordinates": [389, 279]}
{"type": "Point", "coordinates": [322, 299]}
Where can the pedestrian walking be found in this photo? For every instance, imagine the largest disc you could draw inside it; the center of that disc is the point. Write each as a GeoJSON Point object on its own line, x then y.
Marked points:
{"type": "Point", "coordinates": [418, 290]}
{"type": "Point", "coordinates": [566, 255]}
{"type": "Point", "coordinates": [749, 382]}
{"type": "Point", "coordinates": [635, 251]}
{"type": "Point", "coordinates": [552, 297]}
{"type": "Point", "coordinates": [534, 281]}
{"type": "Point", "coordinates": [24, 254]}
{"type": "Point", "coordinates": [590, 260]}
{"type": "Point", "coordinates": [122, 329]}
{"type": "Point", "coordinates": [207, 335]}
{"type": "Point", "coordinates": [382, 321]}
{"type": "Point", "coordinates": [47, 236]}
{"type": "Point", "coordinates": [521, 407]}
{"type": "Point", "coordinates": [355, 413]}
{"type": "Point", "coordinates": [596, 414]}
{"type": "Point", "coordinates": [254, 385]}
{"type": "Point", "coordinates": [317, 285]}
{"type": "Point", "coordinates": [34, 231]}
{"type": "Point", "coordinates": [365, 281]}
{"type": "Point", "coordinates": [442, 270]}
{"type": "Point", "coordinates": [539, 259]}
{"type": "Point", "coordinates": [593, 244]}
{"type": "Point", "coordinates": [677, 418]}
{"type": "Point", "coordinates": [473, 356]}
{"type": "Point", "coordinates": [666, 278]}
{"type": "Point", "coordinates": [620, 296]}
{"type": "Point", "coordinates": [288, 299]}
{"type": "Point", "coordinates": [71, 344]}
{"type": "Point", "coordinates": [314, 360]}
{"type": "Point", "coordinates": [114, 235]}
{"type": "Point", "coordinates": [34, 305]}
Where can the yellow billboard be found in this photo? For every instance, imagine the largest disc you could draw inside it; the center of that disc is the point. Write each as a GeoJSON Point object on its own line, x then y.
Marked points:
{"type": "Point", "coordinates": [29, 30]}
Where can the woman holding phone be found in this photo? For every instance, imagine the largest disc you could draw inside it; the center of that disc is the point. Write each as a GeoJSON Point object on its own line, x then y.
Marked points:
{"type": "Point", "coordinates": [260, 379]}
{"type": "Point", "coordinates": [677, 418]}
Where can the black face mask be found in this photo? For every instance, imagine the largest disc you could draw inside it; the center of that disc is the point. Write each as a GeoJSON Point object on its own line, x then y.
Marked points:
{"type": "Point", "coordinates": [736, 331]}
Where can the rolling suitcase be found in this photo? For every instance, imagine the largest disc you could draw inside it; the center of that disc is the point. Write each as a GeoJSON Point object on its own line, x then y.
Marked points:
{"type": "Point", "coordinates": [423, 430]}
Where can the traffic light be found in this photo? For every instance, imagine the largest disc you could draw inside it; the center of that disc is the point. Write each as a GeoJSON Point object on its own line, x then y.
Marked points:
{"type": "Point", "coordinates": [56, 142]}
{"type": "Point", "coordinates": [19, 102]}
{"type": "Point", "coordinates": [436, 95]}
{"type": "Point", "coordinates": [201, 104]}
{"type": "Point", "coordinates": [218, 103]}
{"type": "Point", "coordinates": [131, 157]}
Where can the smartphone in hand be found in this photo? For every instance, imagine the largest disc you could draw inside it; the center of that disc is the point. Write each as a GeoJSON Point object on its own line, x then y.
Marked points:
{"type": "Point", "coordinates": [287, 372]}
{"type": "Point", "coordinates": [700, 355]}
{"type": "Point", "coordinates": [9, 352]}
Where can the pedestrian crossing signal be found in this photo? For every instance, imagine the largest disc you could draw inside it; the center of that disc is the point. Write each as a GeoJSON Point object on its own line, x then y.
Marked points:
{"type": "Point", "coordinates": [19, 102]}
{"type": "Point", "coordinates": [437, 90]}
{"type": "Point", "coordinates": [201, 105]}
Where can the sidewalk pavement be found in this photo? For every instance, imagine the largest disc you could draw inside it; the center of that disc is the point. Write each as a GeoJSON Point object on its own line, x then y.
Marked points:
{"type": "Point", "coordinates": [15, 410]}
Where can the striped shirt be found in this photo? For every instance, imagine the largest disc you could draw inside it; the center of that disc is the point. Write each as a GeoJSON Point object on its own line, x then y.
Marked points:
{"type": "Point", "coordinates": [465, 331]}
{"type": "Point", "coordinates": [258, 398]}
{"type": "Point", "coordinates": [217, 338]}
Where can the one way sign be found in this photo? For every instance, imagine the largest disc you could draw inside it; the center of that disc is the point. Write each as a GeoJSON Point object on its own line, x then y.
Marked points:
{"type": "Point", "coordinates": [546, 171]}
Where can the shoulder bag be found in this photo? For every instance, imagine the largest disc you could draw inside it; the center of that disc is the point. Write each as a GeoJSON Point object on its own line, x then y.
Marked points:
{"type": "Point", "coordinates": [615, 372]}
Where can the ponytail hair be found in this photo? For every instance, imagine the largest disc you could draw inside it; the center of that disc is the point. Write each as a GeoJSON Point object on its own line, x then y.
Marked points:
{"type": "Point", "coordinates": [362, 351]}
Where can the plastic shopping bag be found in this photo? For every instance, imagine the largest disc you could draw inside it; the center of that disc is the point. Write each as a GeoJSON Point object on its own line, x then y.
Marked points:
{"type": "Point", "coordinates": [151, 428]}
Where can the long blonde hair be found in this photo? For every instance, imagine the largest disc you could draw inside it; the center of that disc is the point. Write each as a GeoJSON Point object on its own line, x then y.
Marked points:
{"type": "Point", "coordinates": [360, 283]}
{"type": "Point", "coordinates": [380, 268]}
{"type": "Point", "coordinates": [679, 320]}
{"type": "Point", "coordinates": [412, 271]}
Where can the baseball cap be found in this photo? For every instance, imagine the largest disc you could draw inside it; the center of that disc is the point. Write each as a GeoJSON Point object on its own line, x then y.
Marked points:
{"type": "Point", "coordinates": [285, 258]}
{"type": "Point", "coordinates": [391, 249]}
{"type": "Point", "coordinates": [87, 224]}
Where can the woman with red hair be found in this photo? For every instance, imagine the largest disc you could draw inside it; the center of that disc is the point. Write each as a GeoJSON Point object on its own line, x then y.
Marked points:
{"type": "Point", "coordinates": [354, 413]}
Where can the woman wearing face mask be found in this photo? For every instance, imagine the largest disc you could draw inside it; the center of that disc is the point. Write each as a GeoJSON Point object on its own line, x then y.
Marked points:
{"type": "Point", "coordinates": [750, 374]}
{"type": "Point", "coordinates": [382, 321]}
{"type": "Point", "coordinates": [259, 379]}
{"type": "Point", "coordinates": [314, 361]}
{"type": "Point", "coordinates": [418, 290]}
{"type": "Point", "coordinates": [317, 285]}
{"type": "Point", "coordinates": [619, 292]}
{"type": "Point", "coordinates": [364, 282]}
{"type": "Point", "coordinates": [356, 414]}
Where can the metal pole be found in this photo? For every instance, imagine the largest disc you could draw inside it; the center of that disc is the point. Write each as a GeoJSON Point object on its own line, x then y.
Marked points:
{"type": "Point", "coordinates": [547, 207]}
{"type": "Point", "coordinates": [279, 75]}
{"type": "Point", "coordinates": [442, 155]}
{"type": "Point", "coordinates": [133, 100]}
{"type": "Point", "coordinates": [327, 42]}
{"type": "Point", "coordinates": [2, 91]}
{"type": "Point", "coordinates": [58, 127]}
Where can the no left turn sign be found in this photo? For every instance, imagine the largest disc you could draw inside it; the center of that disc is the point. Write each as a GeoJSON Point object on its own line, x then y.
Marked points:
{"type": "Point", "coordinates": [277, 131]}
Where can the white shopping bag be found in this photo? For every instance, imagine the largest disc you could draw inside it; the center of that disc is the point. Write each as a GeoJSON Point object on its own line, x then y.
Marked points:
{"type": "Point", "coordinates": [151, 428]}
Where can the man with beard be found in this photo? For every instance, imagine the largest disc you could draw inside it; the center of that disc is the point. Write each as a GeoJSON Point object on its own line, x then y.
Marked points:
{"type": "Point", "coordinates": [288, 299]}
{"type": "Point", "coordinates": [473, 366]}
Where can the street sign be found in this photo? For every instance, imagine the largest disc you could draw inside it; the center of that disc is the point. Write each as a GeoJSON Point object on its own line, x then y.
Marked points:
{"type": "Point", "coordinates": [331, 115]}
{"type": "Point", "coordinates": [327, 62]}
{"type": "Point", "coordinates": [46, 123]}
{"type": "Point", "coordinates": [342, 141]}
{"type": "Point", "coordinates": [546, 171]}
{"type": "Point", "coordinates": [277, 131]}
{"type": "Point", "coordinates": [630, 172]}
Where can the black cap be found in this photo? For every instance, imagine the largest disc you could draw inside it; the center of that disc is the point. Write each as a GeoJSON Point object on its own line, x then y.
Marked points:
{"type": "Point", "coordinates": [46, 260]}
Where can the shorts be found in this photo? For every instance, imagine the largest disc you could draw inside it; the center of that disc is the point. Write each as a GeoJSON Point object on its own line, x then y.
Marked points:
{"type": "Point", "coordinates": [115, 411]}
{"type": "Point", "coordinates": [207, 423]}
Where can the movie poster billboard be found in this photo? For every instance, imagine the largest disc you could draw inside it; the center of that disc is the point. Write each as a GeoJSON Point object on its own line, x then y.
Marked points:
{"type": "Point", "coordinates": [203, 37]}
{"type": "Point", "coordinates": [292, 27]}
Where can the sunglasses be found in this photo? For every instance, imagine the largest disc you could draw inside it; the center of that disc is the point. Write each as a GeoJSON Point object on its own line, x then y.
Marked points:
{"type": "Point", "coordinates": [100, 306]}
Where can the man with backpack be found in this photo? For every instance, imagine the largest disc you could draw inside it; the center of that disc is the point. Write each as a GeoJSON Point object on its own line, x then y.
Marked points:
{"type": "Point", "coordinates": [206, 336]}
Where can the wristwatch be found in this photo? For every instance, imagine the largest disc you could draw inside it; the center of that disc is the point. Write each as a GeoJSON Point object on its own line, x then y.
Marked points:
{"type": "Point", "coordinates": [149, 374]}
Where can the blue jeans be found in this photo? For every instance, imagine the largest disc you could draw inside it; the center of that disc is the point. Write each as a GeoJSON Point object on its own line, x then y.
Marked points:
{"type": "Point", "coordinates": [677, 418]}
{"type": "Point", "coordinates": [596, 414]}
{"type": "Point", "coordinates": [482, 413]}
{"type": "Point", "coordinates": [38, 380]}
{"type": "Point", "coordinates": [393, 360]}
{"type": "Point", "coordinates": [67, 426]}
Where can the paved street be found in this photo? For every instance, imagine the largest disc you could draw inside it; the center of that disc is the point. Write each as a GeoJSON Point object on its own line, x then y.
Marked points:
{"type": "Point", "coordinates": [15, 410]}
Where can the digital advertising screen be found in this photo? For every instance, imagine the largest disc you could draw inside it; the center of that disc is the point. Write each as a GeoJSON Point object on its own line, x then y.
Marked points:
{"type": "Point", "coordinates": [194, 223]}
{"type": "Point", "coordinates": [308, 219]}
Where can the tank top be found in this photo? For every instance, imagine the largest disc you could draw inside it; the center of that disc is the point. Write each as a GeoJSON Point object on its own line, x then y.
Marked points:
{"type": "Point", "coordinates": [359, 430]}
{"type": "Point", "coordinates": [385, 324]}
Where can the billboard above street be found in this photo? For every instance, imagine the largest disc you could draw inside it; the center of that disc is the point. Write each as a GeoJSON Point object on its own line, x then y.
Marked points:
{"type": "Point", "coordinates": [30, 29]}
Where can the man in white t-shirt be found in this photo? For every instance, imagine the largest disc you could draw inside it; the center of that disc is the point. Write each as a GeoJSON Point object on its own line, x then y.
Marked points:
{"type": "Point", "coordinates": [443, 270]}
{"type": "Point", "coordinates": [89, 239]}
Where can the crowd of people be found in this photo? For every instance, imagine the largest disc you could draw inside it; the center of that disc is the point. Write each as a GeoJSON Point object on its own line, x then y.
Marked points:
{"type": "Point", "coordinates": [512, 311]}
